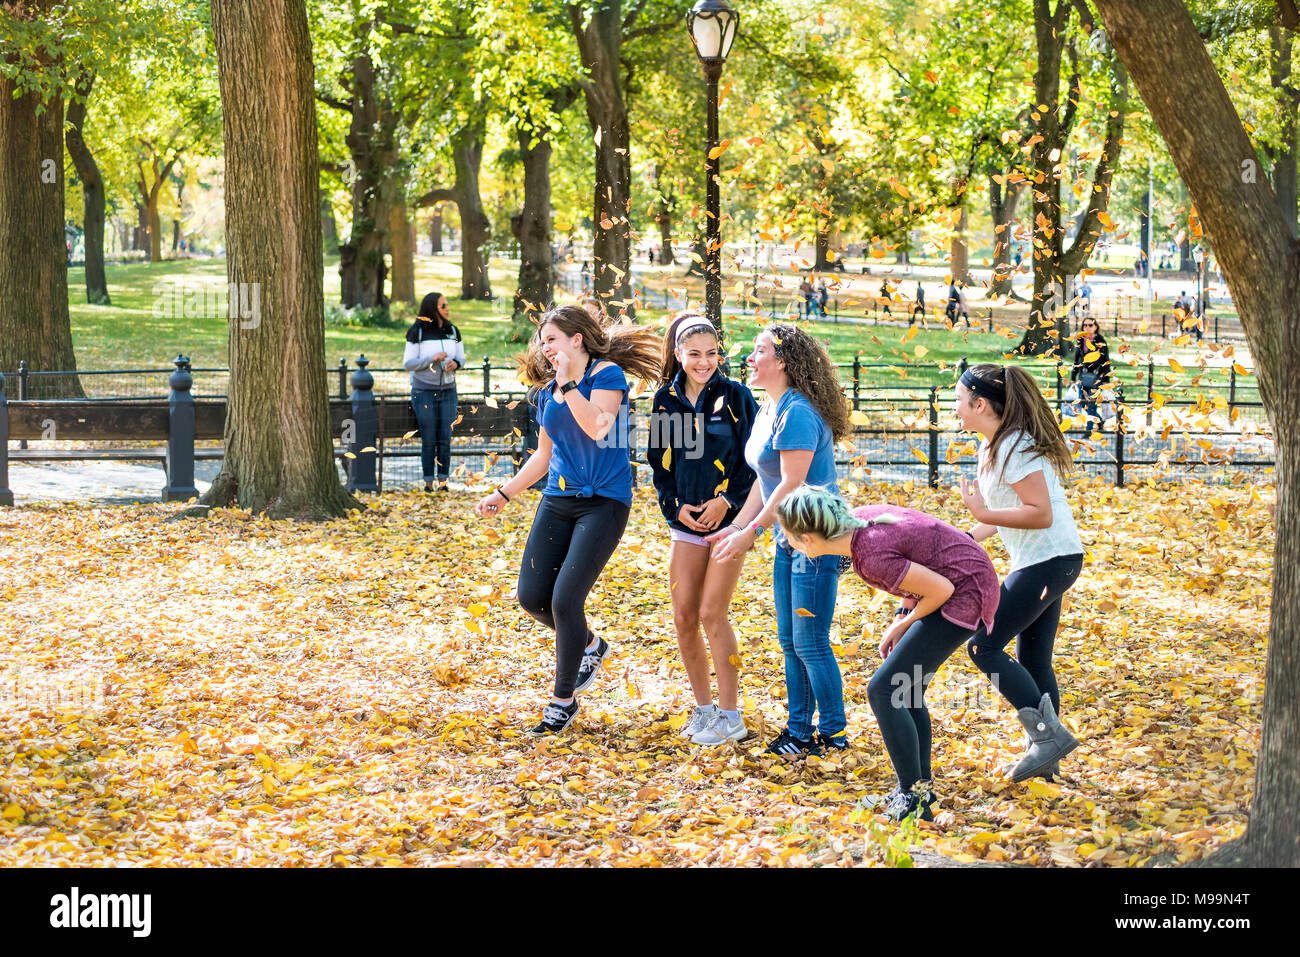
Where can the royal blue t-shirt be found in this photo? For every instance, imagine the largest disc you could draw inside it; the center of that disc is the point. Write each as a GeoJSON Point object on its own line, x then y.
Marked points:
{"type": "Point", "coordinates": [586, 466]}
{"type": "Point", "coordinates": [790, 422]}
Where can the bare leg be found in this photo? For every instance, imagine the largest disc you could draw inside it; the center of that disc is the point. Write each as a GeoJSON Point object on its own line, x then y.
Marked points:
{"type": "Point", "coordinates": [715, 603]}
{"type": "Point", "coordinates": [687, 565]}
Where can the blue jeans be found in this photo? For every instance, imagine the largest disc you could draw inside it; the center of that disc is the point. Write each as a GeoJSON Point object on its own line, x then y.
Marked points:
{"type": "Point", "coordinates": [435, 410]}
{"type": "Point", "coordinates": [812, 675]}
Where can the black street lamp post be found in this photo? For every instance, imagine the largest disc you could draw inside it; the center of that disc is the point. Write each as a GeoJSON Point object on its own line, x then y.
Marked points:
{"type": "Point", "coordinates": [712, 26]}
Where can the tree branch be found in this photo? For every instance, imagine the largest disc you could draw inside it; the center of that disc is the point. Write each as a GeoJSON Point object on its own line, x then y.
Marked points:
{"type": "Point", "coordinates": [1085, 239]}
{"type": "Point", "coordinates": [334, 102]}
{"type": "Point", "coordinates": [432, 198]}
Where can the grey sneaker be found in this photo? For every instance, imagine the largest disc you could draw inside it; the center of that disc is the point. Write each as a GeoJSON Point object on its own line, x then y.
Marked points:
{"type": "Point", "coordinates": [700, 719]}
{"type": "Point", "coordinates": [722, 729]}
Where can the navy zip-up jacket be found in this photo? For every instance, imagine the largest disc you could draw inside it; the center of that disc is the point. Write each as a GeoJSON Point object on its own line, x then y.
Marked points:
{"type": "Point", "coordinates": [703, 445]}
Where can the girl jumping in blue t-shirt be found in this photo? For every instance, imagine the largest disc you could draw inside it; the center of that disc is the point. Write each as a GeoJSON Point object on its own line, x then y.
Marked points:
{"type": "Point", "coordinates": [582, 449]}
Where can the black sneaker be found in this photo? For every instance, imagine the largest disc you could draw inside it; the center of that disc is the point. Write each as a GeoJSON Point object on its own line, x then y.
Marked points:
{"type": "Point", "coordinates": [832, 742]}
{"type": "Point", "coordinates": [555, 718]}
{"type": "Point", "coordinates": [791, 747]}
{"type": "Point", "coordinates": [899, 805]}
{"type": "Point", "coordinates": [590, 667]}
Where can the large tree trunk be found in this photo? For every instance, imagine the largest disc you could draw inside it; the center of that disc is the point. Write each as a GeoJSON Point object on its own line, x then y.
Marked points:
{"type": "Point", "coordinates": [600, 43]}
{"type": "Point", "coordinates": [34, 323]}
{"type": "Point", "coordinates": [1055, 267]}
{"type": "Point", "coordinates": [279, 454]}
{"type": "Point", "coordinates": [1260, 259]}
{"type": "Point", "coordinates": [536, 289]}
{"type": "Point", "coordinates": [1002, 205]}
{"type": "Point", "coordinates": [92, 193]}
{"type": "Point", "coordinates": [467, 152]}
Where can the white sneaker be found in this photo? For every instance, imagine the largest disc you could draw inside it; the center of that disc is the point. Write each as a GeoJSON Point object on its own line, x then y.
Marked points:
{"type": "Point", "coordinates": [722, 729]}
{"type": "Point", "coordinates": [700, 719]}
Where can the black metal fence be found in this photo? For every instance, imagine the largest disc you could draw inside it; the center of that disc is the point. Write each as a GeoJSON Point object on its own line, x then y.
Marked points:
{"type": "Point", "coordinates": [1167, 423]}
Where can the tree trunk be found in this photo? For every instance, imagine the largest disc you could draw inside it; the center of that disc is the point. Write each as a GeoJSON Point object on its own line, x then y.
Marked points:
{"type": "Point", "coordinates": [361, 266]}
{"type": "Point", "coordinates": [665, 207]}
{"type": "Point", "coordinates": [402, 244]}
{"type": "Point", "coordinates": [1284, 177]}
{"type": "Point", "coordinates": [536, 290]}
{"type": "Point", "coordinates": [959, 266]}
{"type": "Point", "coordinates": [1052, 263]}
{"type": "Point", "coordinates": [476, 230]}
{"type": "Point", "coordinates": [92, 193]}
{"type": "Point", "coordinates": [34, 323]}
{"type": "Point", "coordinates": [176, 223]}
{"type": "Point", "coordinates": [822, 249]}
{"type": "Point", "coordinates": [1260, 259]}
{"type": "Point", "coordinates": [279, 454]}
{"type": "Point", "coordinates": [329, 228]}
{"type": "Point", "coordinates": [140, 239]}
{"type": "Point", "coordinates": [155, 231]}
{"type": "Point", "coordinates": [600, 43]}
{"type": "Point", "coordinates": [435, 231]}
{"type": "Point", "coordinates": [1002, 205]}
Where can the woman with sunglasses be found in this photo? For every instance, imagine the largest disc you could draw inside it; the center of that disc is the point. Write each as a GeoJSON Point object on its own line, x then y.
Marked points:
{"type": "Point", "coordinates": [1091, 369]}
{"type": "Point", "coordinates": [434, 351]}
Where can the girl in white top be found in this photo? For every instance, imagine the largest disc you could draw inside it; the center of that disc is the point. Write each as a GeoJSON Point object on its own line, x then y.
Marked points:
{"type": "Point", "coordinates": [1019, 496]}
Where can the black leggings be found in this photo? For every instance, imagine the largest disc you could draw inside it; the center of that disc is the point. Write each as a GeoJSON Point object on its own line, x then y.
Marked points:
{"type": "Point", "coordinates": [1029, 610]}
{"type": "Point", "coordinates": [571, 540]}
{"type": "Point", "coordinates": [896, 693]}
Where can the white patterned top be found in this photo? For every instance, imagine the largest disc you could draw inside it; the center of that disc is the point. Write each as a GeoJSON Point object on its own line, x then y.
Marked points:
{"type": "Point", "coordinates": [1027, 546]}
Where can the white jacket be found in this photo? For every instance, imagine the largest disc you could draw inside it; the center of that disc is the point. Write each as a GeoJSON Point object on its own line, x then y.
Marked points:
{"type": "Point", "coordinates": [418, 357]}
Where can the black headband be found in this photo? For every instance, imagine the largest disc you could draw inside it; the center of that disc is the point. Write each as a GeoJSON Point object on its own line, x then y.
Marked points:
{"type": "Point", "coordinates": [987, 388]}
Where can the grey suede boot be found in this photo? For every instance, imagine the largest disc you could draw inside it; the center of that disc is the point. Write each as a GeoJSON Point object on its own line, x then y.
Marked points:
{"type": "Point", "coordinates": [1049, 740]}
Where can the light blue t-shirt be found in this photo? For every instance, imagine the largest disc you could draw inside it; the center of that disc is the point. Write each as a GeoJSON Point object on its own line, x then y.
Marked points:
{"type": "Point", "coordinates": [790, 422]}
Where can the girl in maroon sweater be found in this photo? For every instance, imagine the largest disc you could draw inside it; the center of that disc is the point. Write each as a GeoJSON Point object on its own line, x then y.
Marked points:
{"type": "Point", "coordinates": [949, 588]}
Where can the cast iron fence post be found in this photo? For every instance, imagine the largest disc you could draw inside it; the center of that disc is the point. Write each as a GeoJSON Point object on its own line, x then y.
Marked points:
{"type": "Point", "coordinates": [22, 390]}
{"type": "Point", "coordinates": [343, 378]}
{"type": "Point", "coordinates": [361, 469]}
{"type": "Point", "coordinates": [1232, 388]}
{"type": "Point", "coordinates": [487, 376]}
{"type": "Point", "coordinates": [932, 467]}
{"type": "Point", "coordinates": [6, 496]}
{"type": "Point", "coordinates": [857, 374]}
{"type": "Point", "coordinates": [1119, 437]}
{"type": "Point", "coordinates": [180, 435]}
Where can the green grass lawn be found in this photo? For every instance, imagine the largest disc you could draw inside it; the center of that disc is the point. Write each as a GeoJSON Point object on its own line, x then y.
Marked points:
{"type": "Point", "coordinates": [135, 333]}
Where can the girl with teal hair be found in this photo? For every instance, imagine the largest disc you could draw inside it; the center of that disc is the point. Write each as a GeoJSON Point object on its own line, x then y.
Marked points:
{"type": "Point", "coordinates": [948, 587]}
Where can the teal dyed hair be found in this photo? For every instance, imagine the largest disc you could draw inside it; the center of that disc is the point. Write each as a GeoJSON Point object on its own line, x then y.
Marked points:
{"type": "Point", "coordinates": [810, 508]}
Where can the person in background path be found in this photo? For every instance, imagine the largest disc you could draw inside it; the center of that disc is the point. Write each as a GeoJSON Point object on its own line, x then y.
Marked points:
{"type": "Point", "coordinates": [919, 305]}
{"type": "Point", "coordinates": [823, 297]}
{"type": "Point", "coordinates": [434, 351]}
{"type": "Point", "coordinates": [1091, 370]}
{"type": "Point", "coordinates": [806, 293]}
{"type": "Point", "coordinates": [962, 308]}
{"type": "Point", "coordinates": [698, 428]}
{"type": "Point", "coordinates": [885, 297]}
{"type": "Point", "coordinates": [1018, 495]}
{"type": "Point", "coordinates": [951, 306]}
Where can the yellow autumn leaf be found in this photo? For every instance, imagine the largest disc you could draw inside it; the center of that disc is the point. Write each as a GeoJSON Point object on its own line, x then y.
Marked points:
{"type": "Point", "coordinates": [1176, 365]}
{"type": "Point", "coordinates": [804, 613]}
{"type": "Point", "coordinates": [560, 480]}
{"type": "Point", "coordinates": [858, 417]}
{"type": "Point", "coordinates": [667, 460]}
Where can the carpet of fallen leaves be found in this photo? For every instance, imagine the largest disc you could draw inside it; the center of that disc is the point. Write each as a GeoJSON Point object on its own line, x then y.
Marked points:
{"type": "Point", "coordinates": [233, 690]}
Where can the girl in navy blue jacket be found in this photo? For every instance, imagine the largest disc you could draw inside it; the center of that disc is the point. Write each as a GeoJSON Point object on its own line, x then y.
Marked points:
{"type": "Point", "coordinates": [699, 424]}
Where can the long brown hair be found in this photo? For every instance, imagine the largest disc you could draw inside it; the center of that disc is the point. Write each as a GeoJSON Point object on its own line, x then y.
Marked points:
{"type": "Point", "coordinates": [810, 371]}
{"type": "Point", "coordinates": [669, 365]}
{"type": "Point", "coordinates": [634, 349]}
{"type": "Point", "coordinates": [1023, 410]}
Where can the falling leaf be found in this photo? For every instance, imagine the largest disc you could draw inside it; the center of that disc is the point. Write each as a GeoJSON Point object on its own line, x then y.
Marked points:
{"type": "Point", "coordinates": [804, 613]}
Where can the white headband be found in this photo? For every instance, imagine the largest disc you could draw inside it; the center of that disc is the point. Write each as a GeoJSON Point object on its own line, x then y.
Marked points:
{"type": "Point", "coordinates": [698, 324]}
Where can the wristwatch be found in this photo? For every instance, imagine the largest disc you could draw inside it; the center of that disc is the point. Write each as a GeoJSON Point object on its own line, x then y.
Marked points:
{"type": "Point", "coordinates": [568, 387]}
{"type": "Point", "coordinates": [757, 529]}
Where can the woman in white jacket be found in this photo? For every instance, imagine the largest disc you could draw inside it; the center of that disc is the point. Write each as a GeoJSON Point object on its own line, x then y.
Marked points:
{"type": "Point", "coordinates": [434, 351]}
